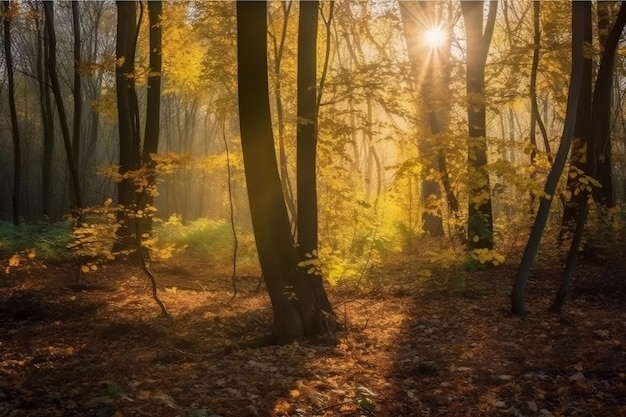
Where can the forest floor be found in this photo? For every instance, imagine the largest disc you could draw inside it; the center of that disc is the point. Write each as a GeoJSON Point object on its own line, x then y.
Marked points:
{"type": "Point", "coordinates": [442, 346]}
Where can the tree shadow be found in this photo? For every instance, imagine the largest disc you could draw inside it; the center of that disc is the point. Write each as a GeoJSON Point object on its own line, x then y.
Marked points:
{"type": "Point", "coordinates": [461, 353]}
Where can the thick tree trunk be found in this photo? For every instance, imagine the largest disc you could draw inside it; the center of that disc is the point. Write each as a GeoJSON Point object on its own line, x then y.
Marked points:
{"type": "Point", "coordinates": [480, 220]}
{"type": "Point", "coordinates": [523, 273]}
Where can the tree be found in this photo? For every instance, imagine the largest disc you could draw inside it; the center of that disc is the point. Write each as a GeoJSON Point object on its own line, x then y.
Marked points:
{"type": "Point", "coordinates": [598, 132]}
{"type": "Point", "coordinates": [78, 94]}
{"type": "Point", "coordinates": [579, 12]}
{"type": "Point", "coordinates": [153, 102]}
{"type": "Point", "coordinates": [431, 68]}
{"type": "Point", "coordinates": [15, 133]}
{"type": "Point", "coordinates": [76, 195]}
{"type": "Point", "coordinates": [480, 217]}
{"type": "Point", "coordinates": [47, 120]}
{"type": "Point", "coordinates": [291, 291]}
{"type": "Point", "coordinates": [128, 116]}
{"type": "Point", "coordinates": [601, 112]}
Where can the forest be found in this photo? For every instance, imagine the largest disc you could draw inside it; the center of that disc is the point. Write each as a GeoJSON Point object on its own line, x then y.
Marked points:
{"type": "Point", "coordinates": [312, 208]}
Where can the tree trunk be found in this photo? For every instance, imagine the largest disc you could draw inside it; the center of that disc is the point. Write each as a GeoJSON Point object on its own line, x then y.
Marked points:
{"type": "Point", "coordinates": [280, 118]}
{"type": "Point", "coordinates": [291, 295]}
{"type": "Point", "coordinates": [75, 193]}
{"type": "Point", "coordinates": [306, 158]}
{"type": "Point", "coordinates": [416, 19]}
{"type": "Point", "coordinates": [78, 94]}
{"type": "Point", "coordinates": [47, 122]}
{"type": "Point", "coordinates": [127, 115]}
{"type": "Point", "coordinates": [153, 106]}
{"type": "Point", "coordinates": [15, 133]}
{"type": "Point", "coordinates": [480, 220]}
{"type": "Point", "coordinates": [579, 162]}
{"type": "Point", "coordinates": [579, 12]}
{"type": "Point", "coordinates": [601, 115]}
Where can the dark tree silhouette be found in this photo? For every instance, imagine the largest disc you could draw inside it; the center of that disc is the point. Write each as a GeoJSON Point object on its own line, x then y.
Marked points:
{"type": "Point", "coordinates": [15, 133]}
{"type": "Point", "coordinates": [523, 273]}
{"type": "Point", "coordinates": [292, 292]}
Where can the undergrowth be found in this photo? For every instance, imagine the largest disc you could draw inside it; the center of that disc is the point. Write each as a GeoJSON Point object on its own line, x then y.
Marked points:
{"type": "Point", "coordinates": [47, 241]}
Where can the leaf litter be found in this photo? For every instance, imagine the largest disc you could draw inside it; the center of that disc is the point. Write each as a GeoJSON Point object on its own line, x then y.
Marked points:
{"type": "Point", "coordinates": [411, 347]}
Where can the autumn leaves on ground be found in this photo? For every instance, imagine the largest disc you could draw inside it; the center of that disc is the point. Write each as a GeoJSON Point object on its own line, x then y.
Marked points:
{"type": "Point", "coordinates": [445, 345]}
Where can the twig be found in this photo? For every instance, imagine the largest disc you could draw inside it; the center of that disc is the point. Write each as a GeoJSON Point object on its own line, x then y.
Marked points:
{"type": "Point", "coordinates": [328, 407]}
{"type": "Point", "coordinates": [232, 217]}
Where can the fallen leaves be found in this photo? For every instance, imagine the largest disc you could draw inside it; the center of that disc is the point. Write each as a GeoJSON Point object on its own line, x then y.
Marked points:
{"type": "Point", "coordinates": [418, 351]}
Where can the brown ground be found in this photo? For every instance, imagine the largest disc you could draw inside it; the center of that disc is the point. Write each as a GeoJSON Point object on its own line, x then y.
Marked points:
{"type": "Point", "coordinates": [445, 347]}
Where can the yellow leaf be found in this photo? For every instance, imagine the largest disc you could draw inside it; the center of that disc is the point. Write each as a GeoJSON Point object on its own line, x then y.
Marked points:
{"type": "Point", "coordinates": [94, 267]}
{"type": "Point", "coordinates": [84, 269]}
{"type": "Point", "coordinates": [475, 238]}
{"type": "Point", "coordinates": [14, 261]}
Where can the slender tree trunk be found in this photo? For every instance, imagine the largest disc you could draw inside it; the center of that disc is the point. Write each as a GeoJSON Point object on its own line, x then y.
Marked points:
{"type": "Point", "coordinates": [601, 114]}
{"type": "Point", "coordinates": [426, 65]}
{"type": "Point", "coordinates": [153, 106]}
{"type": "Point", "coordinates": [480, 220]}
{"type": "Point", "coordinates": [75, 194]}
{"type": "Point", "coordinates": [129, 158]}
{"type": "Point", "coordinates": [579, 163]}
{"type": "Point", "coordinates": [78, 93]}
{"type": "Point", "coordinates": [282, 155]}
{"type": "Point", "coordinates": [15, 133]}
{"type": "Point", "coordinates": [523, 273]}
{"type": "Point", "coordinates": [47, 122]}
{"type": "Point", "coordinates": [535, 116]}
{"type": "Point", "coordinates": [307, 155]}
{"type": "Point", "coordinates": [307, 128]}
{"type": "Point", "coordinates": [290, 291]}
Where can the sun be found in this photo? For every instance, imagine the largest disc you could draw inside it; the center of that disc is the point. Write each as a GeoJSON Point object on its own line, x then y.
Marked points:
{"type": "Point", "coordinates": [435, 37]}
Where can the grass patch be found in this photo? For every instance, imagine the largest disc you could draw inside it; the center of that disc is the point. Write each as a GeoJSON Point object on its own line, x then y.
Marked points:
{"type": "Point", "coordinates": [48, 241]}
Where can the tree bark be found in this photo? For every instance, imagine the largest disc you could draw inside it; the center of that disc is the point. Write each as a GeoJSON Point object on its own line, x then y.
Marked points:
{"type": "Point", "coordinates": [75, 193]}
{"type": "Point", "coordinates": [578, 159]}
{"type": "Point", "coordinates": [523, 273]}
{"type": "Point", "coordinates": [153, 106]}
{"type": "Point", "coordinates": [480, 218]}
{"type": "Point", "coordinates": [416, 19]}
{"type": "Point", "coordinates": [129, 158]}
{"type": "Point", "coordinates": [290, 293]}
{"type": "Point", "coordinates": [47, 122]}
{"type": "Point", "coordinates": [307, 154]}
{"type": "Point", "coordinates": [601, 115]}
{"type": "Point", "coordinates": [15, 132]}
{"type": "Point", "coordinates": [78, 94]}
